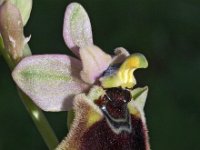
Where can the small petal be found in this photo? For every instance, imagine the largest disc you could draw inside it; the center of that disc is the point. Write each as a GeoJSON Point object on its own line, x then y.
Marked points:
{"type": "Point", "coordinates": [11, 29]}
{"type": "Point", "coordinates": [77, 30]}
{"type": "Point", "coordinates": [51, 81]}
{"type": "Point", "coordinates": [24, 7]}
{"type": "Point", "coordinates": [95, 62]}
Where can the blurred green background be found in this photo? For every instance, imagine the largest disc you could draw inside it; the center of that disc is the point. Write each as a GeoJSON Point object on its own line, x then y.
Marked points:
{"type": "Point", "coordinates": [167, 32]}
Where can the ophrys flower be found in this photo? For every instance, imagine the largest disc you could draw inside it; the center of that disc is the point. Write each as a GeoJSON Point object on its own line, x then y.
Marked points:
{"type": "Point", "coordinates": [108, 111]}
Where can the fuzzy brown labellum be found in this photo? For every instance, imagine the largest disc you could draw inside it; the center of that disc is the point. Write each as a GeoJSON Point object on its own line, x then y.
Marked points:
{"type": "Point", "coordinates": [101, 137]}
{"type": "Point", "coordinates": [107, 123]}
{"type": "Point", "coordinates": [118, 130]}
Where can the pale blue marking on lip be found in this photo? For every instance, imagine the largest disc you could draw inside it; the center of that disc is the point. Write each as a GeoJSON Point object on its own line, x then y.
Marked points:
{"type": "Point", "coordinates": [111, 70]}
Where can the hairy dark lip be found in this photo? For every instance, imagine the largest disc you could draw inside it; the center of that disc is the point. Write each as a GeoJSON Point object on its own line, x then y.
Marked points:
{"type": "Point", "coordinates": [101, 137]}
{"type": "Point", "coordinates": [118, 130]}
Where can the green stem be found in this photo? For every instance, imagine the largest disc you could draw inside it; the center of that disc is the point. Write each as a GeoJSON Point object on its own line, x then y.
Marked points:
{"type": "Point", "coordinates": [5, 54]}
{"type": "Point", "coordinates": [7, 58]}
{"type": "Point", "coordinates": [36, 113]}
{"type": "Point", "coordinates": [40, 121]}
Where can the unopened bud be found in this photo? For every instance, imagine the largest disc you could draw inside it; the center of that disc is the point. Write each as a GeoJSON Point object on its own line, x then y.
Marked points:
{"type": "Point", "coordinates": [11, 29]}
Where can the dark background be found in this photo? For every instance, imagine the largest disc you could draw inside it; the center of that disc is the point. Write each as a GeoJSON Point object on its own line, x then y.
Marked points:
{"type": "Point", "coordinates": [167, 32]}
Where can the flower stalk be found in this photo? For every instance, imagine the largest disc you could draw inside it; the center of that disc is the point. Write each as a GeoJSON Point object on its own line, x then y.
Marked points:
{"type": "Point", "coordinates": [6, 55]}
{"type": "Point", "coordinates": [40, 121]}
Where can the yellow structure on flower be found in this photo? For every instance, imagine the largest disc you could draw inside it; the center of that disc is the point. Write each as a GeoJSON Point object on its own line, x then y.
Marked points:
{"type": "Point", "coordinates": [124, 76]}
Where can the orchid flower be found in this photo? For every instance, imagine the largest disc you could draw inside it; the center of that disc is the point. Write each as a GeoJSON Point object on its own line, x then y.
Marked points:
{"type": "Point", "coordinates": [97, 86]}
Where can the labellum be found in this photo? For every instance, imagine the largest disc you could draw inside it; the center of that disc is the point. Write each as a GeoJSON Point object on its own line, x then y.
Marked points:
{"type": "Point", "coordinates": [119, 129]}
{"type": "Point", "coordinates": [113, 121]}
